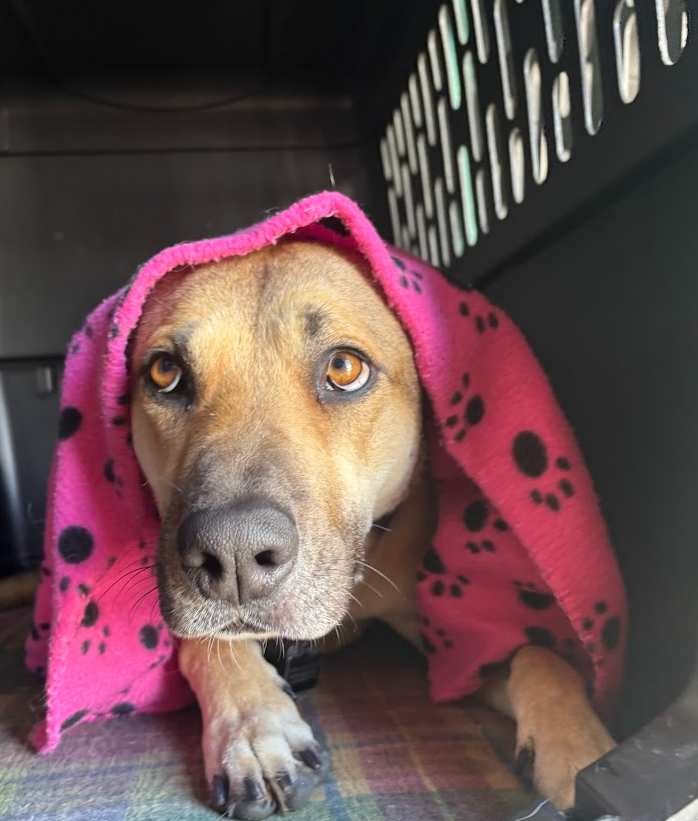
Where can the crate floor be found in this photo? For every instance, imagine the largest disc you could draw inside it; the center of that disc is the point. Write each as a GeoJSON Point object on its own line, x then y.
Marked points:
{"type": "Point", "coordinates": [396, 756]}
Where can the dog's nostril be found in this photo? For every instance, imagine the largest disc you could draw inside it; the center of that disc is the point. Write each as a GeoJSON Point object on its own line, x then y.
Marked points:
{"type": "Point", "coordinates": [212, 566]}
{"type": "Point", "coordinates": [265, 559]}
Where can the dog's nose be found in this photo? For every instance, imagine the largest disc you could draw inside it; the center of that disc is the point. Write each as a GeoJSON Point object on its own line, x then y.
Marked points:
{"type": "Point", "coordinates": [237, 552]}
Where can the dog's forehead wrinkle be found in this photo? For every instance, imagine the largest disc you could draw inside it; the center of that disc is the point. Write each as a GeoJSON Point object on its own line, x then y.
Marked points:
{"type": "Point", "coordinates": [315, 319]}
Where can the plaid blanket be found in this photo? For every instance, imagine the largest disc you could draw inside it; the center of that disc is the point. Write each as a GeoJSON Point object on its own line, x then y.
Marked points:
{"type": "Point", "coordinates": [396, 756]}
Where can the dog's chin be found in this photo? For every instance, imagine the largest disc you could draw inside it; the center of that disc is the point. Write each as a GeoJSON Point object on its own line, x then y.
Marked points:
{"type": "Point", "coordinates": [190, 616]}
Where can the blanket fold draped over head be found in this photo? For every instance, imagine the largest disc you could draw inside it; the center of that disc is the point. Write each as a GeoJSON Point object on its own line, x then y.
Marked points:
{"type": "Point", "coordinates": [520, 554]}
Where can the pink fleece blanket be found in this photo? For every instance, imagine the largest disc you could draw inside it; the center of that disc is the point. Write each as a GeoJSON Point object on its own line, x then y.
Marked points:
{"type": "Point", "coordinates": [520, 555]}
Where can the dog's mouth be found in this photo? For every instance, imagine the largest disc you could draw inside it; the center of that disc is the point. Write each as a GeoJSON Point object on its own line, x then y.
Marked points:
{"type": "Point", "coordinates": [298, 614]}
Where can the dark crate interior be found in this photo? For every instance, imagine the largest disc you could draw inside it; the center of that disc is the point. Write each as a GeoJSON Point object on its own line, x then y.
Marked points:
{"type": "Point", "coordinates": [130, 126]}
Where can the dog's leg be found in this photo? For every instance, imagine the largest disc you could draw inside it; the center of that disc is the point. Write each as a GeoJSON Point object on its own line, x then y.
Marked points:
{"type": "Point", "coordinates": [557, 729]}
{"type": "Point", "coordinates": [18, 590]}
{"type": "Point", "coordinates": [259, 754]}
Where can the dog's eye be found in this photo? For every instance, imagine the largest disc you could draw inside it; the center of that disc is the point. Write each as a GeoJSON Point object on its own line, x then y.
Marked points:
{"type": "Point", "coordinates": [165, 373]}
{"type": "Point", "coordinates": [347, 372]}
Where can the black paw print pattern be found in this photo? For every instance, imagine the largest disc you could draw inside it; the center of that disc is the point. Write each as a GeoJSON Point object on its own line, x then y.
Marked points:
{"type": "Point", "coordinates": [543, 637]}
{"type": "Point", "coordinates": [98, 643]}
{"type": "Point", "coordinates": [531, 597]}
{"type": "Point", "coordinates": [610, 628]}
{"type": "Point", "coordinates": [467, 412]}
{"type": "Point", "coordinates": [121, 708]}
{"type": "Point", "coordinates": [531, 458]}
{"type": "Point", "coordinates": [408, 277]}
{"type": "Point", "coordinates": [433, 566]}
{"type": "Point", "coordinates": [112, 477]}
{"type": "Point", "coordinates": [477, 518]}
{"type": "Point", "coordinates": [540, 636]}
{"type": "Point", "coordinates": [483, 322]}
{"type": "Point", "coordinates": [434, 637]}
{"type": "Point", "coordinates": [97, 638]}
{"type": "Point", "coordinates": [83, 337]}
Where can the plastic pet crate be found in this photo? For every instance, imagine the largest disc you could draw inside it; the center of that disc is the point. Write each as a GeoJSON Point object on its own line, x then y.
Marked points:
{"type": "Point", "coordinates": [546, 150]}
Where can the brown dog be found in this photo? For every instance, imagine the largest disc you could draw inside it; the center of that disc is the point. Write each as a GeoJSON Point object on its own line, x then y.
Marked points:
{"type": "Point", "coordinates": [276, 416]}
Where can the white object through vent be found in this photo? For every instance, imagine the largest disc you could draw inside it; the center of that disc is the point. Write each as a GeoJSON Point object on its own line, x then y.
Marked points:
{"type": "Point", "coordinates": [409, 203]}
{"type": "Point", "coordinates": [506, 57]}
{"type": "Point", "coordinates": [672, 29]}
{"type": "Point", "coordinates": [517, 163]}
{"type": "Point", "coordinates": [399, 132]}
{"type": "Point", "coordinates": [456, 222]}
{"type": "Point", "coordinates": [590, 66]}
{"type": "Point", "coordinates": [467, 196]}
{"type": "Point", "coordinates": [427, 98]}
{"type": "Point", "coordinates": [494, 144]}
{"type": "Point", "coordinates": [554, 35]}
{"type": "Point", "coordinates": [446, 151]}
{"type": "Point", "coordinates": [483, 209]}
{"type": "Point", "coordinates": [482, 34]}
{"type": "Point", "coordinates": [394, 216]}
{"type": "Point", "coordinates": [472, 99]}
{"type": "Point", "coordinates": [434, 60]}
{"type": "Point", "coordinates": [415, 102]}
{"type": "Point", "coordinates": [442, 222]}
{"type": "Point", "coordinates": [562, 119]}
{"type": "Point", "coordinates": [392, 151]}
{"type": "Point", "coordinates": [409, 132]}
{"type": "Point", "coordinates": [455, 92]}
{"type": "Point", "coordinates": [425, 174]}
{"type": "Point", "coordinates": [460, 12]}
{"type": "Point", "coordinates": [627, 46]}
{"type": "Point", "coordinates": [534, 105]}
{"type": "Point", "coordinates": [422, 232]}
{"type": "Point", "coordinates": [433, 247]}
{"type": "Point", "coordinates": [385, 160]}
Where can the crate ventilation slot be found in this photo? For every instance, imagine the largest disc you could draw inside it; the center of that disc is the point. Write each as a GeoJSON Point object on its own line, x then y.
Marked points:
{"type": "Point", "coordinates": [483, 119]}
{"type": "Point", "coordinates": [627, 48]}
{"type": "Point", "coordinates": [672, 26]}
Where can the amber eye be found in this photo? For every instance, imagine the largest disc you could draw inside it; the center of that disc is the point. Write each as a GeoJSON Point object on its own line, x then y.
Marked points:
{"type": "Point", "coordinates": [347, 372]}
{"type": "Point", "coordinates": [165, 373]}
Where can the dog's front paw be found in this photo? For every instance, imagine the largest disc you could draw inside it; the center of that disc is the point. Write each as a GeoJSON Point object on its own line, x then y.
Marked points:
{"type": "Point", "coordinates": [557, 748]}
{"type": "Point", "coordinates": [260, 756]}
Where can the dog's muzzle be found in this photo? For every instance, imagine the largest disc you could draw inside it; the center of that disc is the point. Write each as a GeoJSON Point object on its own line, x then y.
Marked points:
{"type": "Point", "coordinates": [239, 552]}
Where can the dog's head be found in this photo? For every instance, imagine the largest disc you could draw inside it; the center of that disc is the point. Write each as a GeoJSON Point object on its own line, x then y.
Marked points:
{"type": "Point", "coordinates": [276, 416]}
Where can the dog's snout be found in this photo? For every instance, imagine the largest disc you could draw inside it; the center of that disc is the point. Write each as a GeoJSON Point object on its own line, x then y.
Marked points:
{"type": "Point", "coordinates": [238, 552]}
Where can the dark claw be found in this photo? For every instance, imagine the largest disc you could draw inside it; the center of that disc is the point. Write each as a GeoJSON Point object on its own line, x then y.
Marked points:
{"type": "Point", "coordinates": [311, 759]}
{"type": "Point", "coordinates": [219, 792]}
{"type": "Point", "coordinates": [254, 803]}
{"type": "Point", "coordinates": [319, 761]}
{"type": "Point", "coordinates": [254, 791]}
{"type": "Point", "coordinates": [285, 782]}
